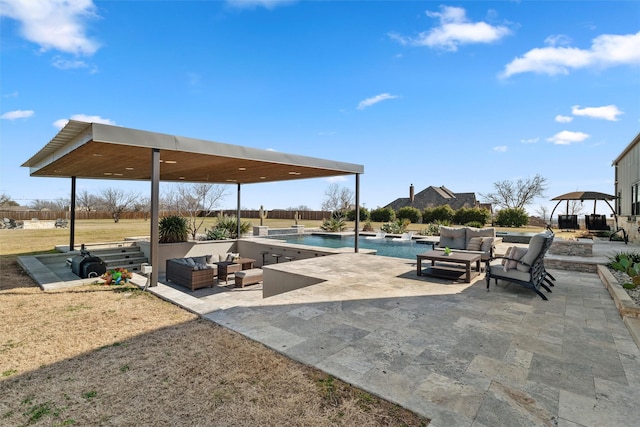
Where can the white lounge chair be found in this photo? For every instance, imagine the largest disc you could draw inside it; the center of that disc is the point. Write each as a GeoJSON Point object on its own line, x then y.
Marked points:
{"type": "Point", "coordinates": [379, 235]}
{"type": "Point", "coordinates": [405, 237]}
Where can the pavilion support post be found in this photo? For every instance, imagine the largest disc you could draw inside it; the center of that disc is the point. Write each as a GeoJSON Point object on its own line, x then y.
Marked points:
{"type": "Point", "coordinates": [154, 244]}
{"type": "Point", "coordinates": [238, 212]}
{"type": "Point", "coordinates": [357, 236]}
{"type": "Point", "coordinates": [72, 215]}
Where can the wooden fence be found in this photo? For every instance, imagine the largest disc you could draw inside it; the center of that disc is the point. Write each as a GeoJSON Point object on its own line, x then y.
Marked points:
{"type": "Point", "coordinates": [26, 215]}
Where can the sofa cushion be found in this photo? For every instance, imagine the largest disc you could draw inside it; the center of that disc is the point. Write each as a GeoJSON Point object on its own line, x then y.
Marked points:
{"type": "Point", "coordinates": [474, 244]}
{"type": "Point", "coordinates": [190, 262]}
{"type": "Point", "coordinates": [472, 232]}
{"type": "Point", "coordinates": [181, 261]}
{"type": "Point", "coordinates": [452, 238]}
{"type": "Point", "coordinates": [199, 259]}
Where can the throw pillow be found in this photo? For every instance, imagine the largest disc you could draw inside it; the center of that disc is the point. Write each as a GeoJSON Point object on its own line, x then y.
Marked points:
{"type": "Point", "coordinates": [475, 243]}
{"type": "Point", "coordinates": [487, 244]}
{"type": "Point", "coordinates": [199, 259]}
{"type": "Point", "coordinates": [452, 237]}
{"type": "Point", "coordinates": [506, 255]}
{"type": "Point", "coordinates": [229, 257]}
{"type": "Point", "coordinates": [514, 256]}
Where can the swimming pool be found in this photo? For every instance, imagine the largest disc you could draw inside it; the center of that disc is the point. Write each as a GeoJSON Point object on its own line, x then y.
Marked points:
{"type": "Point", "coordinates": [384, 247]}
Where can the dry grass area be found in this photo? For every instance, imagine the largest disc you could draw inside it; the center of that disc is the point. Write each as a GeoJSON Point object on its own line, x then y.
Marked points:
{"type": "Point", "coordinates": [99, 355]}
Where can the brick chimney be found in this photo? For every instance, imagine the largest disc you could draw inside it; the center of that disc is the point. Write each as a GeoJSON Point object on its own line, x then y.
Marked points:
{"type": "Point", "coordinates": [411, 194]}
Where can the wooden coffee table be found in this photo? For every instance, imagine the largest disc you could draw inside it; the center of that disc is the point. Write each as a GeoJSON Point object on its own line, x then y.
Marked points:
{"type": "Point", "coordinates": [225, 268]}
{"type": "Point", "coordinates": [449, 272]}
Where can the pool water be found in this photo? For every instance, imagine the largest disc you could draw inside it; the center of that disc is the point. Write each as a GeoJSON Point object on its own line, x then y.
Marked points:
{"type": "Point", "coordinates": [384, 247]}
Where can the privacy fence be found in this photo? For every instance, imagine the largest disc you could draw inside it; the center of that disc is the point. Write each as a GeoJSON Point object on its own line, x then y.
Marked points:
{"type": "Point", "coordinates": [24, 215]}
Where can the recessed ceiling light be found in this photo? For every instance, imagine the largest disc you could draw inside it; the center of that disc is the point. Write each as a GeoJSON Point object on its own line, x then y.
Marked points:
{"type": "Point", "coordinates": [231, 180]}
{"type": "Point", "coordinates": [129, 169]}
{"type": "Point", "coordinates": [170, 161]}
{"type": "Point", "coordinates": [181, 177]}
{"type": "Point", "coordinates": [108, 173]}
{"type": "Point", "coordinates": [263, 177]}
{"type": "Point", "coordinates": [242, 169]}
{"type": "Point", "coordinates": [117, 174]}
{"type": "Point", "coordinates": [97, 155]}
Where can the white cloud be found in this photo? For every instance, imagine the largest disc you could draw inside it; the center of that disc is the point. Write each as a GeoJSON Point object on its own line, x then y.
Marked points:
{"type": "Point", "coordinates": [374, 100]}
{"type": "Point", "coordinates": [66, 64]}
{"type": "Point", "coordinates": [454, 30]}
{"type": "Point", "coordinates": [567, 137]}
{"type": "Point", "coordinates": [500, 148]}
{"type": "Point", "coordinates": [268, 4]}
{"type": "Point", "coordinates": [83, 118]}
{"type": "Point", "coordinates": [336, 179]}
{"type": "Point", "coordinates": [607, 112]}
{"type": "Point", "coordinates": [563, 119]}
{"type": "Point", "coordinates": [607, 50]}
{"type": "Point", "coordinates": [54, 24]}
{"type": "Point", "coordinates": [17, 114]}
{"type": "Point", "coordinates": [530, 140]}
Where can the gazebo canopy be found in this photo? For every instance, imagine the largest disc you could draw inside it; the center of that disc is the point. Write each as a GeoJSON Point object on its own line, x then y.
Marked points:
{"type": "Point", "coordinates": [94, 150]}
{"type": "Point", "coordinates": [585, 195]}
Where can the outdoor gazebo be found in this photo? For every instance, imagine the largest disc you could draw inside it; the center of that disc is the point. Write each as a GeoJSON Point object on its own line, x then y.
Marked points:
{"type": "Point", "coordinates": [99, 151]}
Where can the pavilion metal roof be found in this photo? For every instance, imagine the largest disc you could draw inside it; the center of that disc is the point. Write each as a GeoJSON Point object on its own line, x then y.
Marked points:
{"type": "Point", "coordinates": [100, 151]}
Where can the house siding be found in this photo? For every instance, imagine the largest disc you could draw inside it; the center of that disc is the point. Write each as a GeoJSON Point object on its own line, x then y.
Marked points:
{"type": "Point", "coordinates": [627, 185]}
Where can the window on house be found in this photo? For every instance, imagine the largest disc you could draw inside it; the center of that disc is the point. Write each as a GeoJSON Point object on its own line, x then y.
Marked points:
{"type": "Point", "coordinates": [635, 199]}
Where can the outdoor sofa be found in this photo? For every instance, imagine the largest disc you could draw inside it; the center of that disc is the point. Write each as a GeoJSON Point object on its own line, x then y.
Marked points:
{"type": "Point", "coordinates": [468, 239]}
{"type": "Point", "coordinates": [192, 272]}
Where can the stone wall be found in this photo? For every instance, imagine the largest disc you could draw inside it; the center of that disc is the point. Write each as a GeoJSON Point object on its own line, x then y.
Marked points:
{"type": "Point", "coordinates": [583, 248]}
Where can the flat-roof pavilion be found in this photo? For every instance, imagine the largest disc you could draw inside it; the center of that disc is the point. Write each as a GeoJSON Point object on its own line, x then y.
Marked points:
{"type": "Point", "coordinates": [100, 151]}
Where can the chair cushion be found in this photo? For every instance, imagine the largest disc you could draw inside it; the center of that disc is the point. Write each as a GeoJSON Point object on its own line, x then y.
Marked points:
{"type": "Point", "coordinates": [497, 271]}
{"type": "Point", "coordinates": [535, 246]}
{"type": "Point", "coordinates": [474, 244]}
{"type": "Point", "coordinates": [453, 238]}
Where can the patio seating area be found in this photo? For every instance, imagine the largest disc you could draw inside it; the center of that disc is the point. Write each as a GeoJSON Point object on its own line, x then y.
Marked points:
{"type": "Point", "coordinates": [448, 351]}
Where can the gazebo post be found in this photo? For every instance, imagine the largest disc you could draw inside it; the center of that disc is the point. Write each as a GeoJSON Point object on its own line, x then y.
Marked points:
{"type": "Point", "coordinates": [72, 215]}
{"type": "Point", "coordinates": [357, 236]}
{"type": "Point", "coordinates": [154, 244]}
{"type": "Point", "coordinates": [238, 212]}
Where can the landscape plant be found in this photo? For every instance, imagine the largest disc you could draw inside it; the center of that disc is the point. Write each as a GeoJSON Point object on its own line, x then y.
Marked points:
{"type": "Point", "coordinates": [628, 263]}
{"type": "Point", "coordinates": [467, 215]}
{"type": "Point", "coordinates": [364, 214]}
{"type": "Point", "coordinates": [230, 225]}
{"type": "Point", "coordinates": [173, 229]}
{"type": "Point", "coordinates": [431, 230]}
{"type": "Point", "coordinates": [334, 224]}
{"type": "Point", "coordinates": [382, 215]}
{"type": "Point", "coordinates": [442, 214]}
{"type": "Point", "coordinates": [511, 217]}
{"type": "Point", "coordinates": [409, 212]}
{"type": "Point", "coordinates": [396, 227]}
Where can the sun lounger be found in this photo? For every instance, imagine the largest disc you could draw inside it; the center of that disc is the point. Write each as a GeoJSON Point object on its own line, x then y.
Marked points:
{"type": "Point", "coordinates": [405, 237]}
{"type": "Point", "coordinates": [379, 235]}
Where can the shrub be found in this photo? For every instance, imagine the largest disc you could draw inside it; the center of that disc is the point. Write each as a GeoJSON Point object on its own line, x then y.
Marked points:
{"type": "Point", "coordinates": [440, 214]}
{"type": "Point", "coordinates": [512, 217]}
{"type": "Point", "coordinates": [367, 226]}
{"type": "Point", "coordinates": [334, 224]}
{"type": "Point", "coordinates": [397, 227]}
{"type": "Point", "coordinates": [364, 214]}
{"type": "Point", "coordinates": [216, 234]}
{"type": "Point", "coordinates": [382, 215]}
{"type": "Point", "coordinates": [230, 225]}
{"type": "Point", "coordinates": [467, 215]}
{"type": "Point", "coordinates": [173, 229]}
{"type": "Point", "coordinates": [475, 224]}
{"type": "Point", "coordinates": [412, 214]}
{"type": "Point", "coordinates": [431, 230]}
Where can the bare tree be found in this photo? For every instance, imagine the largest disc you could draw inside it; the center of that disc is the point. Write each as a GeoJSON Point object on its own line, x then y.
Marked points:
{"type": "Point", "coordinates": [5, 200]}
{"type": "Point", "coordinates": [543, 212]}
{"type": "Point", "coordinates": [59, 204]}
{"type": "Point", "coordinates": [516, 194]}
{"type": "Point", "coordinates": [337, 198]}
{"type": "Point", "coordinates": [575, 207]}
{"type": "Point", "coordinates": [195, 201]}
{"type": "Point", "coordinates": [142, 205]}
{"type": "Point", "coordinates": [87, 201]}
{"type": "Point", "coordinates": [116, 201]}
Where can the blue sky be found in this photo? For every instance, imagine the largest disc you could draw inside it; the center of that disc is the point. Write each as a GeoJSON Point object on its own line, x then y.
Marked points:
{"type": "Point", "coordinates": [460, 94]}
